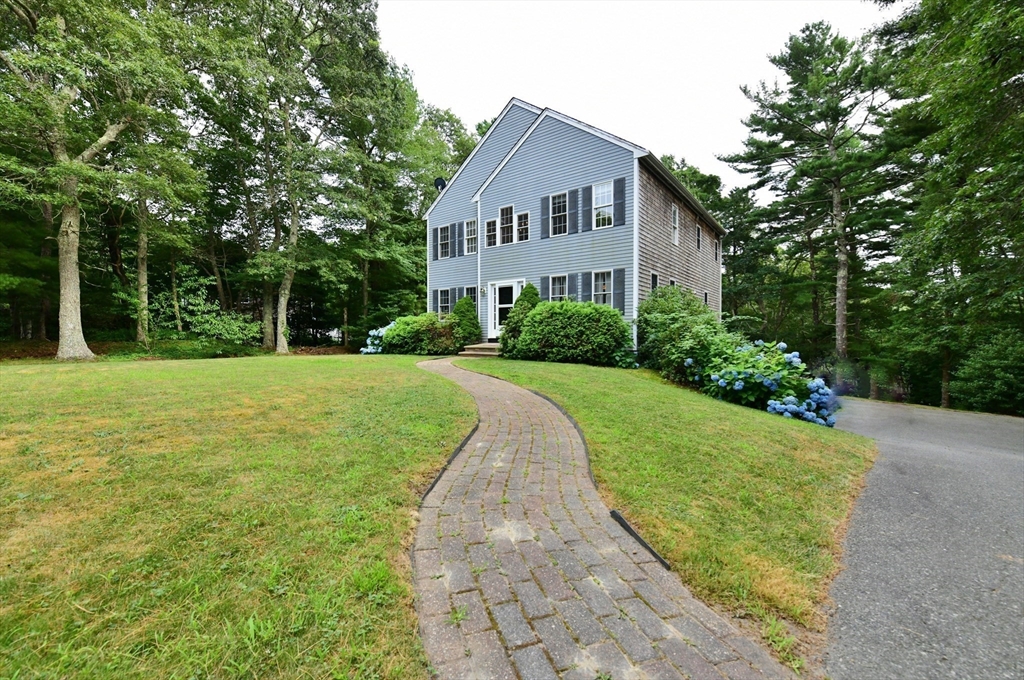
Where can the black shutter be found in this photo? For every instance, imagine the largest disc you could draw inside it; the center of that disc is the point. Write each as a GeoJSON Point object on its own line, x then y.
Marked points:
{"type": "Point", "coordinates": [619, 289]}
{"type": "Point", "coordinates": [460, 237]}
{"type": "Point", "coordinates": [574, 211]}
{"type": "Point", "coordinates": [619, 201]}
{"type": "Point", "coordinates": [451, 298]}
{"type": "Point", "coordinates": [434, 308]}
{"type": "Point", "coordinates": [461, 293]}
{"type": "Point", "coordinates": [571, 286]}
{"type": "Point", "coordinates": [453, 230]}
{"type": "Point", "coordinates": [545, 289]}
{"type": "Point", "coordinates": [545, 217]}
{"type": "Point", "coordinates": [588, 209]}
{"type": "Point", "coordinates": [435, 242]}
{"type": "Point", "coordinates": [585, 288]}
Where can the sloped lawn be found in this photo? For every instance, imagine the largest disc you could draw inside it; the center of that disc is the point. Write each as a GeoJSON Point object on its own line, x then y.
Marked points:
{"type": "Point", "coordinates": [221, 518]}
{"type": "Point", "coordinates": [746, 506]}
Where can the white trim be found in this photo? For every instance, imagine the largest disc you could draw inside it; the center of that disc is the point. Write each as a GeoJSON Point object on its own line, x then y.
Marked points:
{"type": "Point", "coordinates": [479, 248]}
{"type": "Point", "coordinates": [551, 276]}
{"type": "Point", "coordinates": [528, 227]}
{"type": "Point", "coordinates": [636, 243]}
{"type": "Point", "coordinates": [449, 305]}
{"type": "Point", "coordinates": [497, 241]}
{"type": "Point", "coordinates": [697, 233]}
{"type": "Point", "coordinates": [512, 209]}
{"type": "Point", "coordinates": [551, 214]}
{"type": "Point", "coordinates": [429, 260]}
{"type": "Point", "coordinates": [447, 240]}
{"type": "Point", "coordinates": [673, 216]}
{"type": "Point", "coordinates": [611, 286]}
{"type": "Point", "coordinates": [512, 102]}
{"type": "Point", "coordinates": [492, 304]}
{"type": "Point", "coordinates": [593, 205]}
{"type": "Point", "coordinates": [548, 113]}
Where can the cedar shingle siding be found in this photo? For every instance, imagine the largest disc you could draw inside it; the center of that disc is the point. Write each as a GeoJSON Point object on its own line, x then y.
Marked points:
{"type": "Point", "coordinates": [694, 269]}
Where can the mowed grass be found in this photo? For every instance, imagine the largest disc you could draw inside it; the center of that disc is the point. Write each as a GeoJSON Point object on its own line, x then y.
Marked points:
{"type": "Point", "coordinates": [221, 518]}
{"type": "Point", "coordinates": [747, 507]}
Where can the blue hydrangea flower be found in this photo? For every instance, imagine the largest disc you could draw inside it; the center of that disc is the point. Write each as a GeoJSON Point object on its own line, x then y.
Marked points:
{"type": "Point", "coordinates": [759, 343]}
{"type": "Point", "coordinates": [714, 378]}
{"type": "Point", "coordinates": [787, 415]}
{"type": "Point", "coordinates": [738, 385]}
{"type": "Point", "coordinates": [790, 400]}
{"type": "Point", "coordinates": [688, 362]}
{"type": "Point", "coordinates": [782, 346]}
{"type": "Point", "coordinates": [721, 383]}
{"type": "Point", "coordinates": [831, 421]}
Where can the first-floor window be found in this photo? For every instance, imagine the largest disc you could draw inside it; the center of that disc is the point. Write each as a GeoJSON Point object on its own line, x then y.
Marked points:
{"type": "Point", "coordinates": [444, 301]}
{"type": "Point", "coordinates": [705, 298]}
{"type": "Point", "coordinates": [471, 237]}
{"type": "Point", "coordinates": [491, 233]}
{"type": "Point", "coordinates": [654, 280]}
{"type": "Point", "coordinates": [559, 214]}
{"type": "Point", "coordinates": [523, 227]}
{"type": "Point", "coordinates": [471, 293]}
{"type": "Point", "coordinates": [444, 242]}
{"type": "Point", "coordinates": [559, 286]}
{"type": "Point", "coordinates": [506, 225]}
{"type": "Point", "coordinates": [671, 282]}
{"type": "Point", "coordinates": [603, 288]}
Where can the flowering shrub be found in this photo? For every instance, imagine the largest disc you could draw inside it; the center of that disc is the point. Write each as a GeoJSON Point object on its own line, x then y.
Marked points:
{"type": "Point", "coordinates": [682, 339]}
{"type": "Point", "coordinates": [375, 339]}
{"type": "Point", "coordinates": [423, 334]}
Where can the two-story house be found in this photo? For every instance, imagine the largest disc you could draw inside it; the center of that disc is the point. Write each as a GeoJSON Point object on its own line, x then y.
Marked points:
{"type": "Point", "coordinates": [578, 212]}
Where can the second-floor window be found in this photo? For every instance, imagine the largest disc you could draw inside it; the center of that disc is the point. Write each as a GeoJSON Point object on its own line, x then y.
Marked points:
{"type": "Point", "coordinates": [491, 234]}
{"type": "Point", "coordinates": [559, 214]}
{"type": "Point", "coordinates": [505, 224]}
{"type": "Point", "coordinates": [444, 302]}
{"type": "Point", "coordinates": [603, 288]}
{"type": "Point", "coordinates": [717, 242]}
{"type": "Point", "coordinates": [698, 234]}
{"type": "Point", "coordinates": [444, 246]}
{"type": "Point", "coordinates": [523, 227]}
{"type": "Point", "coordinates": [559, 285]}
{"type": "Point", "coordinates": [675, 225]}
{"type": "Point", "coordinates": [603, 195]}
{"type": "Point", "coordinates": [654, 280]}
{"type": "Point", "coordinates": [471, 237]}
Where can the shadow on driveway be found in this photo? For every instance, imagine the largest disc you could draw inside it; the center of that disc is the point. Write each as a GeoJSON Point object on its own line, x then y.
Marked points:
{"type": "Point", "coordinates": [934, 578]}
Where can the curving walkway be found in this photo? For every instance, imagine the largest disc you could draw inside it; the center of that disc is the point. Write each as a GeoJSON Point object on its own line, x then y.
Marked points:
{"type": "Point", "coordinates": [520, 572]}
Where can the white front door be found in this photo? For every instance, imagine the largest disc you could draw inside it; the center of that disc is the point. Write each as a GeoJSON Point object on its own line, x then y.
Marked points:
{"type": "Point", "coordinates": [502, 295]}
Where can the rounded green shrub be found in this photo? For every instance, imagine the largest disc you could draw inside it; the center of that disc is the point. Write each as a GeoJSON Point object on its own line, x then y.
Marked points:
{"type": "Point", "coordinates": [466, 321]}
{"type": "Point", "coordinates": [423, 334]}
{"type": "Point", "coordinates": [528, 298]}
{"type": "Point", "coordinates": [575, 332]}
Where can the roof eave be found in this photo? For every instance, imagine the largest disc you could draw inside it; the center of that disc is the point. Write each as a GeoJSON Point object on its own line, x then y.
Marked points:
{"type": "Point", "coordinates": [652, 163]}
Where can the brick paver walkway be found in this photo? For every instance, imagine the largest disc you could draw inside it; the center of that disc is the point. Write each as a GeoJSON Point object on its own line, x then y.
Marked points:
{"type": "Point", "coordinates": [520, 572]}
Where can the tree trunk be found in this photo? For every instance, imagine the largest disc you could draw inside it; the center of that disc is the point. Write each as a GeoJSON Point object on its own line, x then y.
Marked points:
{"type": "Point", "coordinates": [842, 270]}
{"type": "Point", "coordinates": [285, 291]}
{"type": "Point", "coordinates": [221, 295]}
{"type": "Point", "coordinates": [345, 321]}
{"type": "Point", "coordinates": [366, 287]}
{"type": "Point", "coordinates": [44, 253]}
{"type": "Point", "coordinates": [174, 296]}
{"type": "Point", "coordinates": [71, 346]}
{"type": "Point", "coordinates": [268, 315]}
{"type": "Point", "coordinates": [142, 275]}
{"type": "Point", "coordinates": [946, 369]}
{"type": "Point", "coordinates": [815, 302]}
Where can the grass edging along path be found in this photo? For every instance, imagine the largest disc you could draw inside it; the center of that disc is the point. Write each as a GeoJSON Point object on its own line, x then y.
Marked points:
{"type": "Point", "coordinates": [746, 506]}
{"type": "Point", "coordinates": [239, 518]}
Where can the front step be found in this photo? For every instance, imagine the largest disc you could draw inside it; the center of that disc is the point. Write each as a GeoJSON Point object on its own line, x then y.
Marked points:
{"type": "Point", "coordinates": [483, 349]}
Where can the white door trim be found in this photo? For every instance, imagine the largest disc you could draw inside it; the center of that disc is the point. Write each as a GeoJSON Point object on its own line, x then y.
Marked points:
{"type": "Point", "coordinates": [492, 306]}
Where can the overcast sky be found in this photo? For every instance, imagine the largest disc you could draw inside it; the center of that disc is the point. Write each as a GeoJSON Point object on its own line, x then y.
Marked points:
{"type": "Point", "coordinates": [664, 75]}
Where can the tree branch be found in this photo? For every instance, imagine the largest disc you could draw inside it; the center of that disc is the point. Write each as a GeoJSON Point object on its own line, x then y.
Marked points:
{"type": "Point", "coordinates": [111, 133]}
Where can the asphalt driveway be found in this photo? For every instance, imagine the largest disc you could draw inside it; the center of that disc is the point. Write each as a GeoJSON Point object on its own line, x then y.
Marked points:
{"type": "Point", "coordinates": [934, 578]}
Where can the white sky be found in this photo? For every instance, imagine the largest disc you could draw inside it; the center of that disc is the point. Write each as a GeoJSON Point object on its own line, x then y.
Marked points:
{"type": "Point", "coordinates": [664, 75]}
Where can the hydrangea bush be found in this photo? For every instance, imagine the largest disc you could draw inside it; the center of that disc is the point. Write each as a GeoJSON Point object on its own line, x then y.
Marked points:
{"type": "Point", "coordinates": [375, 339]}
{"type": "Point", "coordinates": [687, 343]}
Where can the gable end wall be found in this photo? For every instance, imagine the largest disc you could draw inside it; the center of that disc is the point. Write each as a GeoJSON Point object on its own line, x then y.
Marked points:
{"type": "Point", "coordinates": [694, 269]}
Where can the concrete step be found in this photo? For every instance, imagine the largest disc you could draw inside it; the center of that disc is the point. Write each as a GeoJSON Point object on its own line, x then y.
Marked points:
{"type": "Point", "coordinates": [483, 347]}
{"type": "Point", "coordinates": [469, 353]}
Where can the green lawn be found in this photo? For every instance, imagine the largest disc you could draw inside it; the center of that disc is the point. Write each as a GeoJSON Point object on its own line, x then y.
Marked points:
{"type": "Point", "coordinates": [222, 518]}
{"type": "Point", "coordinates": [746, 506]}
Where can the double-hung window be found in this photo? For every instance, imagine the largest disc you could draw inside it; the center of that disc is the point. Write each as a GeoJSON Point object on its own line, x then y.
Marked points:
{"type": "Point", "coordinates": [603, 196]}
{"type": "Point", "coordinates": [471, 293]}
{"type": "Point", "coordinates": [491, 233]}
{"type": "Point", "coordinates": [697, 224]}
{"type": "Point", "coordinates": [444, 246]}
{"type": "Point", "coordinates": [603, 288]}
{"type": "Point", "coordinates": [675, 225]}
{"type": "Point", "coordinates": [559, 214]}
{"type": "Point", "coordinates": [444, 302]}
{"type": "Point", "coordinates": [523, 227]}
{"type": "Point", "coordinates": [471, 238]}
{"type": "Point", "coordinates": [654, 280]}
{"type": "Point", "coordinates": [705, 298]}
{"type": "Point", "coordinates": [559, 288]}
{"type": "Point", "coordinates": [505, 224]}
{"type": "Point", "coordinates": [717, 242]}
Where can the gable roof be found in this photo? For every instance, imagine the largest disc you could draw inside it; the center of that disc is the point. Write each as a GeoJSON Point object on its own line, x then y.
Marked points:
{"type": "Point", "coordinates": [648, 159]}
{"type": "Point", "coordinates": [511, 102]}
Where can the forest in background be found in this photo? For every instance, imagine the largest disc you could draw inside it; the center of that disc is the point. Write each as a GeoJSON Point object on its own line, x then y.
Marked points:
{"type": "Point", "coordinates": [257, 172]}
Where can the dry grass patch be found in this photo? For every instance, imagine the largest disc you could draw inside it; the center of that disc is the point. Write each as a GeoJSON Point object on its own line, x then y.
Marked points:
{"type": "Point", "coordinates": [237, 518]}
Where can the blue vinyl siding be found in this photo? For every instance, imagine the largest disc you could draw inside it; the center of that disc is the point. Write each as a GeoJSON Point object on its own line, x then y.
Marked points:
{"type": "Point", "coordinates": [559, 157]}
{"type": "Point", "coordinates": [457, 204]}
